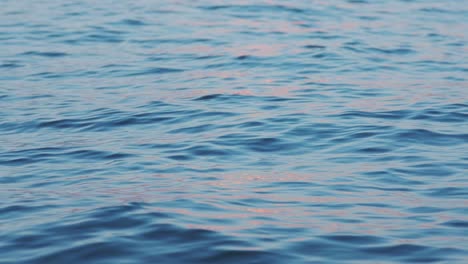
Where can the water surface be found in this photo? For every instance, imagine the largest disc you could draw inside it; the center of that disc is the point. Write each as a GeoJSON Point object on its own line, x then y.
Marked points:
{"type": "Point", "coordinates": [215, 131]}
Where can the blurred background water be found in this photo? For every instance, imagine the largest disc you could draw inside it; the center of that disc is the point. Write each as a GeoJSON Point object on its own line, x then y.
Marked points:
{"type": "Point", "coordinates": [213, 131]}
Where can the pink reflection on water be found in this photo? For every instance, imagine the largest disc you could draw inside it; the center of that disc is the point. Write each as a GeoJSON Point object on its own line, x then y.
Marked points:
{"type": "Point", "coordinates": [286, 207]}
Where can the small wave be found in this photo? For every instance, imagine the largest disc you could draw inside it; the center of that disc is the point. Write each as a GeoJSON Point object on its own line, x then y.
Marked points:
{"type": "Point", "coordinates": [49, 54]}
{"type": "Point", "coordinates": [155, 71]}
{"type": "Point", "coordinates": [10, 65]}
{"type": "Point", "coordinates": [397, 51]}
{"type": "Point", "coordinates": [254, 8]}
{"type": "Point", "coordinates": [428, 137]}
{"type": "Point", "coordinates": [54, 155]}
{"type": "Point", "coordinates": [132, 22]}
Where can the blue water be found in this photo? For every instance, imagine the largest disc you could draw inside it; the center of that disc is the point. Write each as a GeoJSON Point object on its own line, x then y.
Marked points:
{"type": "Point", "coordinates": [213, 131]}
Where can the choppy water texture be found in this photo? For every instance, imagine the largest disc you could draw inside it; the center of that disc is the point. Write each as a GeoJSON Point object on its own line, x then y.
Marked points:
{"type": "Point", "coordinates": [233, 131]}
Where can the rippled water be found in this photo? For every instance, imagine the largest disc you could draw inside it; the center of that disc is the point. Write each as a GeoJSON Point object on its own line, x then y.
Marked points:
{"type": "Point", "coordinates": [213, 131]}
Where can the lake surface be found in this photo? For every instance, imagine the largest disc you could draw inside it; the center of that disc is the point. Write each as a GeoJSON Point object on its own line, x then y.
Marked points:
{"type": "Point", "coordinates": [213, 131]}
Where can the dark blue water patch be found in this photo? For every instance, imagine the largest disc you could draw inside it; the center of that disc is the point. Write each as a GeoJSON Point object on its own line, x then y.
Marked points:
{"type": "Point", "coordinates": [155, 71]}
{"type": "Point", "coordinates": [16, 178]}
{"type": "Point", "coordinates": [77, 14]}
{"type": "Point", "coordinates": [402, 114]}
{"type": "Point", "coordinates": [204, 115]}
{"type": "Point", "coordinates": [94, 38]}
{"type": "Point", "coordinates": [181, 157]}
{"type": "Point", "coordinates": [232, 139]}
{"type": "Point", "coordinates": [253, 256]}
{"type": "Point", "coordinates": [376, 205]}
{"type": "Point", "coordinates": [208, 151]}
{"type": "Point", "coordinates": [314, 47]}
{"type": "Point", "coordinates": [96, 224]}
{"type": "Point", "coordinates": [425, 170]}
{"type": "Point", "coordinates": [148, 118]}
{"type": "Point", "coordinates": [209, 97]}
{"type": "Point", "coordinates": [253, 8]}
{"type": "Point", "coordinates": [374, 150]}
{"type": "Point", "coordinates": [270, 145]}
{"type": "Point", "coordinates": [318, 250]}
{"type": "Point", "coordinates": [426, 210]}
{"type": "Point", "coordinates": [180, 40]}
{"type": "Point", "coordinates": [393, 178]}
{"type": "Point", "coordinates": [411, 253]}
{"type": "Point", "coordinates": [193, 130]}
{"type": "Point", "coordinates": [12, 211]}
{"type": "Point", "coordinates": [10, 65]}
{"type": "Point", "coordinates": [251, 124]}
{"type": "Point", "coordinates": [106, 30]}
{"type": "Point", "coordinates": [457, 224]}
{"type": "Point", "coordinates": [428, 137]}
{"type": "Point", "coordinates": [131, 22]}
{"type": "Point", "coordinates": [448, 192]}
{"type": "Point", "coordinates": [314, 130]}
{"type": "Point", "coordinates": [93, 251]}
{"type": "Point", "coordinates": [442, 11]}
{"type": "Point", "coordinates": [161, 146]}
{"type": "Point", "coordinates": [450, 113]}
{"type": "Point", "coordinates": [49, 54]}
{"type": "Point", "coordinates": [156, 103]}
{"type": "Point", "coordinates": [235, 98]}
{"type": "Point", "coordinates": [387, 189]}
{"type": "Point", "coordinates": [396, 51]}
{"type": "Point", "coordinates": [355, 239]}
{"type": "Point", "coordinates": [292, 184]}
{"type": "Point", "coordinates": [97, 155]}
{"type": "Point", "coordinates": [63, 123]}
{"type": "Point", "coordinates": [358, 1]}
{"type": "Point", "coordinates": [95, 122]}
{"type": "Point", "coordinates": [56, 155]}
{"type": "Point", "coordinates": [243, 57]}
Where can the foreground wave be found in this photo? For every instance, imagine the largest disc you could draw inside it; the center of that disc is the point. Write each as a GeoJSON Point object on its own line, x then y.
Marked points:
{"type": "Point", "coordinates": [144, 236]}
